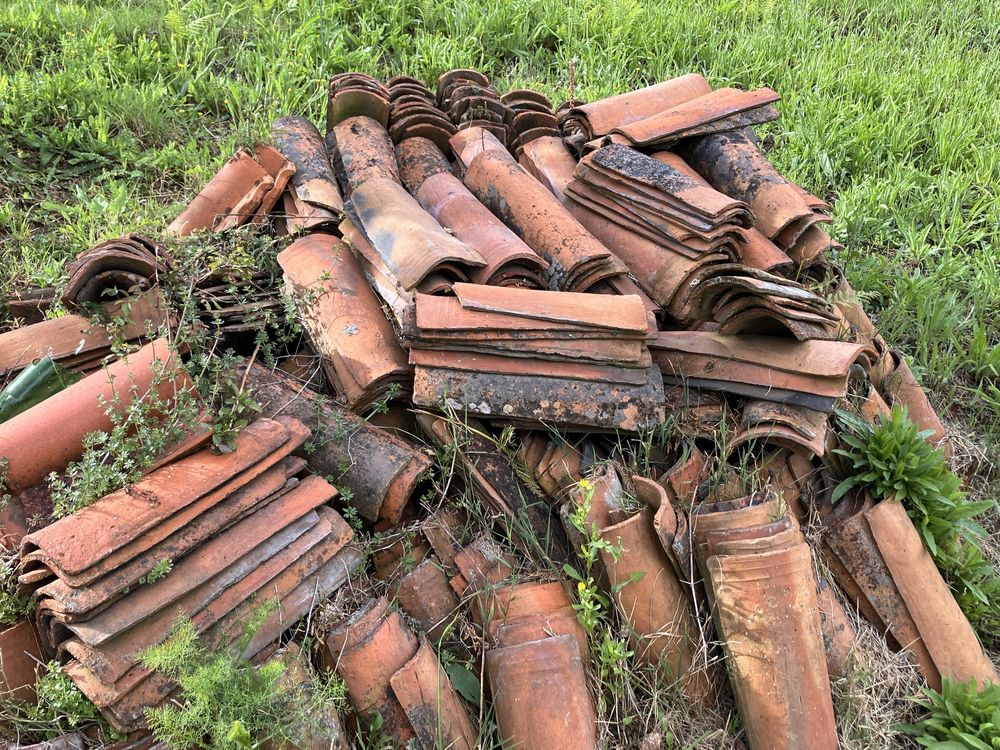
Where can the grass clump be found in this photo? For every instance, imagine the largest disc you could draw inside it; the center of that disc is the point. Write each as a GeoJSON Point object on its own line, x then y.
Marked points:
{"type": "Point", "coordinates": [229, 704]}
{"type": "Point", "coordinates": [226, 703]}
{"type": "Point", "coordinates": [960, 716]}
{"type": "Point", "coordinates": [893, 460]}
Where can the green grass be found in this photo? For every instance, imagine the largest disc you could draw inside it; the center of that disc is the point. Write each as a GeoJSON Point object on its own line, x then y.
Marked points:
{"type": "Point", "coordinates": [112, 114]}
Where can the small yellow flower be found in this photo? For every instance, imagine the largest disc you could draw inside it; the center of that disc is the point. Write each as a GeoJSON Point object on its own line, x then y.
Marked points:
{"type": "Point", "coordinates": [581, 585]}
{"type": "Point", "coordinates": [585, 484]}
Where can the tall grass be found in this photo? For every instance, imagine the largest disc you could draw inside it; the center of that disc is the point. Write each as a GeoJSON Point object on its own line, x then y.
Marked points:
{"type": "Point", "coordinates": [112, 113]}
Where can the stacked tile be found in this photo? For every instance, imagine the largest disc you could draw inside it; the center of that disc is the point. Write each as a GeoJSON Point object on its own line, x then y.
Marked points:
{"type": "Point", "coordinates": [796, 429]}
{"type": "Point", "coordinates": [758, 572]}
{"type": "Point", "coordinates": [388, 670]}
{"type": "Point", "coordinates": [660, 273]}
{"type": "Point", "coordinates": [813, 374]}
{"type": "Point", "coordinates": [244, 191]}
{"type": "Point", "coordinates": [556, 465]}
{"type": "Point", "coordinates": [740, 299]}
{"type": "Point", "coordinates": [239, 530]}
{"type": "Point", "coordinates": [783, 212]}
{"type": "Point", "coordinates": [382, 471]}
{"type": "Point", "coordinates": [120, 267]}
{"type": "Point", "coordinates": [661, 200]}
{"type": "Point", "coordinates": [414, 114]}
{"type": "Point", "coordinates": [356, 94]}
{"type": "Point", "coordinates": [529, 117]}
{"type": "Point", "coordinates": [577, 260]}
{"type": "Point", "coordinates": [471, 102]}
{"type": "Point", "coordinates": [567, 359]}
{"type": "Point", "coordinates": [27, 306]}
{"type": "Point", "coordinates": [667, 112]}
{"type": "Point", "coordinates": [427, 175]}
{"type": "Point", "coordinates": [312, 199]}
{"type": "Point", "coordinates": [536, 651]}
{"type": "Point", "coordinates": [79, 342]}
{"type": "Point", "coordinates": [236, 305]}
{"type": "Point", "coordinates": [879, 560]}
{"type": "Point", "coordinates": [360, 353]}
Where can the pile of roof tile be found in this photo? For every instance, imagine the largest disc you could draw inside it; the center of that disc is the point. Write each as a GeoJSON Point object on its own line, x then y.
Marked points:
{"type": "Point", "coordinates": [506, 353]}
{"type": "Point", "coordinates": [234, 526]}
{"type": "Point", "coordinates": [537, 296]}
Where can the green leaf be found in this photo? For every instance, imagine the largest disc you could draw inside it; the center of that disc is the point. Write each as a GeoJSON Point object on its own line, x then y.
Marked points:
{"type": "Point", "coordinates": [465, 682]}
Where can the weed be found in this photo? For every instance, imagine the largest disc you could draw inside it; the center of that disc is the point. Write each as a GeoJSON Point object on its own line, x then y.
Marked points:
{"type": "Point", "coordinates": [593, 607]}
{"type": "Point", "coordinates": [892, 460]}
{"type": "Point", "coordinates": [60, 708]}
{"type": "Point", "coordinates": [160, 570]}
{"type": "Point", "coordinates": [226, 703]}
{"type": "Point", "coordinates": [141, 432]}
{"type": "Point", "coordinates": [960, 716]}
{"type": "Point", "coordinates": [13, 606]}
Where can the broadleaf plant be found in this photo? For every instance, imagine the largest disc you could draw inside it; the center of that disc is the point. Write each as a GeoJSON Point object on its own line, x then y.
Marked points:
{"type": "Point", "coordinates": [892, 460]}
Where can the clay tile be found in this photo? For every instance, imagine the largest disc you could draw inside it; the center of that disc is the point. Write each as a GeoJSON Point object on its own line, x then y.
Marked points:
{"type": "Point", "coordinates": [525, 95]}
{"type": "Point", "coordinates": [228, 200]}
{"type": "Point", "coordinates": [400, 79]}
{"type": "Point", "coordinates": [21, 657]}
{"type": "Point", "coordinates": [381, 466]}
{"type": "Point", "coordinates": [764, 603]}
{"type": "Point", "coordinates": [523, 203]}
{"type": "Point", "coordinates": [345, 320]}
{"type": "Point", "coordinates": [419, 159]}
{"type": "Point", "coordinates": [601, 117]}
{"type": "Point", "coordinates": [435, 711]}
{"type": "Point", "coordinates": [524, 678]}
{"type": "Point", "coordinates": [715, 112]}
{"type": "Point", "coordinates": [651, 598]}
{"type": "Point", "coordinates": [949, 638]}
{"type": "Point", "coordinates": [367, 650]}
{"type": "Point", "coordinates": [734, 165]}
{"type": "Point", "coordinates": [407, 238]}
{"type": "Point", "coordinates": [362, 151]}
{"type": "Point", "coordinates": [352, 102]}
{"type": "Point", "coordinates": [314, 181]}
{"type": "Point", "coordinates": [424, 594]}
{"type": "Point", "coordinates": [467, 144]}
{"type": "Point", "coordinates": [33, 449]}
{"type": "Point", "coordinates": [281, 171]}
